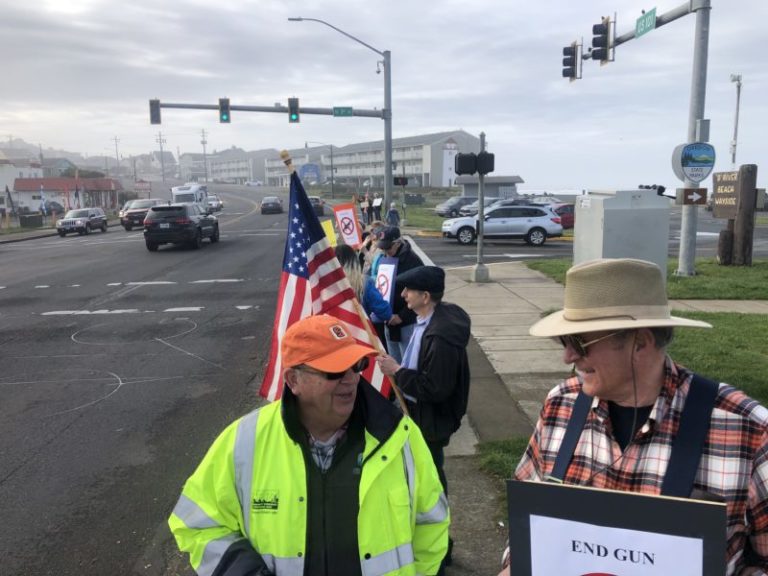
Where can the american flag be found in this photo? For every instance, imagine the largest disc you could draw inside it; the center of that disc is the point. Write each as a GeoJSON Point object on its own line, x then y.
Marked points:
{"type": "Point", "coordinates": [312, 282]}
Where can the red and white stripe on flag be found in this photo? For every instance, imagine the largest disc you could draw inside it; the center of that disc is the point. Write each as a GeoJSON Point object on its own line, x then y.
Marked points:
{"type": "Point", "coordinates": [313, 282]}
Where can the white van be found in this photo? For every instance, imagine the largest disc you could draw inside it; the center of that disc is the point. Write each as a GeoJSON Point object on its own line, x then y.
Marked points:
{"type": "Point", "coordinates": [191, 193]}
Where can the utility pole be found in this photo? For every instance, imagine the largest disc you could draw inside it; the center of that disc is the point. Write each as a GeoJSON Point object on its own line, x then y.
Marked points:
{"type": "Point", "coordinates": [737, 79]}
{"type": "Point", "coordinates": [178, 162]}
{"type": "Point", "coordinates": [160, 140]}
{"type": "Point", "coordinates": [205, 158]}
{"type": "Point", "coordinates": [117, 157]}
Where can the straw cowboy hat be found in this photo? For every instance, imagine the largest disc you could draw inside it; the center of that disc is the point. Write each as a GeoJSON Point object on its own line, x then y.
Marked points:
{"type": "Point", "coordinates": [612, 294]}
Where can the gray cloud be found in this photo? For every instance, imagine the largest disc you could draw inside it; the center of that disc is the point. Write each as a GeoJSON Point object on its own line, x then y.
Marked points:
{"type": "Point", "coordinates": [80, 72]}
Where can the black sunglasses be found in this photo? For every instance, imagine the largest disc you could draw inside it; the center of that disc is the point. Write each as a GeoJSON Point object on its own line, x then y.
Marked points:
{"type": "Point", "coordinates": [577, 343]}
{"type": "Point", "coordinates": [356, 368]}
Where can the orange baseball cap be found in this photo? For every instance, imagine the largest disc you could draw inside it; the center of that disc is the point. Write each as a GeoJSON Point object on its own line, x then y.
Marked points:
{"type": "Point", "coordinates": [322, 342]}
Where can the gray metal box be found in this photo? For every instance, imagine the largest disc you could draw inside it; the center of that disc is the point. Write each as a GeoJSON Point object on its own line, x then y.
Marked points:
{"type": "Point", "coordinates": [622, 224]}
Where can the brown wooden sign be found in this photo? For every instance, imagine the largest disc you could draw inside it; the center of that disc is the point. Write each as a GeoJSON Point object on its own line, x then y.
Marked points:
{"type": "Point", "coordinates": [725, 186]}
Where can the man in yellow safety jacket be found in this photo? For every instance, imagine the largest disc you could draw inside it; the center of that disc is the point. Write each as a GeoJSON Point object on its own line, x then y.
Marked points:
{"type": "Point", "coordinates": [332, 480]}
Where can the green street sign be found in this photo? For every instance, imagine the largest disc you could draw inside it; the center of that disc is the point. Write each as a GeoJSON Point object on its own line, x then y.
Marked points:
{"type": "Point", "coordinates": [645, 23]}
{"type": "Point", "coordinates": [342, 111]}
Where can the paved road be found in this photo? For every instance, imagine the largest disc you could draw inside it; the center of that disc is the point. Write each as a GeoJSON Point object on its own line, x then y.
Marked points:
{"type": "Point", "coordinates": [449, 253]}
{"type": "Point", "coordinates": [119, 366]}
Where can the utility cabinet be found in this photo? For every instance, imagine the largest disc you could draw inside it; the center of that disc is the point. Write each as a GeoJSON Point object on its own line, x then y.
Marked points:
{"type": "Point", "coordinates": [622, 224]}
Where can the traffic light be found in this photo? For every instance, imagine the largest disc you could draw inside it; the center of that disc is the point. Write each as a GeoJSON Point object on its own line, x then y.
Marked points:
{"type": "Point", "coordinates": [571, 61]}
{"type": "Point", "coordinates": [465, 163]}
{"type": "Point", "coordinates": [485, 162]}
{"type": "Point", "coordinates": [293, 110]}
{"type": "Point", "coordinates": [154, 111]}
{"type": "Point", "coordinates": [224, 115]}
{"type": "Point", "coordinates": [601, 41]}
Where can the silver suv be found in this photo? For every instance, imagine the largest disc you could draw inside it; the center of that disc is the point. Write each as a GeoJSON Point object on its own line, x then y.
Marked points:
{"type": "Point", "coordinates": [534, 224]}
{"type": "Point", "coordinates": [82, 221]}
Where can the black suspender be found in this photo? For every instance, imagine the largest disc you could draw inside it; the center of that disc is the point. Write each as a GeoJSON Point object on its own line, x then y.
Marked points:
{"type": "Point", "coordinates": [687, 446]}
{"type": "Point", "coordinates": [571, 438]}
{"type": "Point", "coordinates": [691, 435]}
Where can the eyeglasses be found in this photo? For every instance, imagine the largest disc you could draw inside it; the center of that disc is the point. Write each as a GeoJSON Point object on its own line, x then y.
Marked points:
{"type": "Point", "coordinates": [576, 343]}
{"type": "Point", "coordinates": [361, 365]}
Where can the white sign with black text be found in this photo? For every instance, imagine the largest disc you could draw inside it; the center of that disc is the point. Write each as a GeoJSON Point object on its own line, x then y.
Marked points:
{"type": "Point", "coordinates": [567, 547]}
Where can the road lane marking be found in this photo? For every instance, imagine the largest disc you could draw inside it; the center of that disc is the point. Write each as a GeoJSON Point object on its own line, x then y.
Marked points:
{"type": "Point", "coordinates": [220, 281]}
{"type": "Point", "coordinates": [151, 283]}
{"type": "Point", "coordinates": [86, 312]}
{"type": "Point", "coordinates": [185, 309]}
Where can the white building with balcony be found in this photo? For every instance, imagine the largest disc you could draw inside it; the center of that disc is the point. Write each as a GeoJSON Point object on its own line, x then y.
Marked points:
{"type": "Point", "coordinates": [426, 160]}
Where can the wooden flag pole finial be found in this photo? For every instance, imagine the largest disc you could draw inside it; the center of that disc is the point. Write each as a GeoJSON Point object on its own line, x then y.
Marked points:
{"type": "Point", "coordinates": [287, 160]}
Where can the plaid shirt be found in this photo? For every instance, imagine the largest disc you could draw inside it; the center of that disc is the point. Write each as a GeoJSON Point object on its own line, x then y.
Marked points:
{"type": "Point", "coordinates": [733, 466]}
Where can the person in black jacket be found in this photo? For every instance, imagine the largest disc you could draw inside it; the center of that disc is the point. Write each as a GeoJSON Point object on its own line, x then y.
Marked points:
{"type": "Point", "coordinates": [433, 374]}
{"type": "Point", "coordinates": [400, 327]}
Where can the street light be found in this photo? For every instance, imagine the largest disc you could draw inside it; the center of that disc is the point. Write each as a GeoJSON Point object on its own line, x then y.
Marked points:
{"type": "Point", "coordinates": [306, 145]}
{"type": "Point", "coordinates": [387, 112]}
{"type": "Point", "coordinates": [737, 79]}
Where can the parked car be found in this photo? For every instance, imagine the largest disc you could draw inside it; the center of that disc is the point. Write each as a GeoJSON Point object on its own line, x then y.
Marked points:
{"type": "Point", "coordinates": [534, 224]}
{"type": "Point", "coordinates": [510, 202]}
{"type": "Point", "coordinates": [567, 213]}
{"type": "Point", "coordinates": [134, 215]}
{"type": "Point", "coordinates": [271, 205]}
{"type": "Point", "coordinates": [474, 207]}
{"type": "Point", "coordinates": [318, 204]}
{"type": "Point", "coordinates": [179, 224]}
{"type": "Point", "coordinates": [254, 183]}
{"type": "Point", "coordinates": [82, 221]}
{"type": "Point", "coordinates": [215, 203]}
{"type": "Point", "coordinates": [450, 208]}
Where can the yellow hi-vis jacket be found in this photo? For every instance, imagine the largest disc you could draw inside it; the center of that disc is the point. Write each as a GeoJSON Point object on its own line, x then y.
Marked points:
{"type": "Point", "coordinates": [252, 484]}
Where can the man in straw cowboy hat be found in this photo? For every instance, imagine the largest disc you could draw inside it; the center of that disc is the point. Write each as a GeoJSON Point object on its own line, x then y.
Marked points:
{"type": "Point", "coordinates": [630, 418]}
{"type": "Point", "coordinates": [331, 480]}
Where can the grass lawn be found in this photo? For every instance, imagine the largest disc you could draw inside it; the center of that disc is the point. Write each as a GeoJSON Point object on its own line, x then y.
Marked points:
{"type": "Point", "coordinates": [423, 217]}
{"type": "Point", "coordinates": [712, 281]}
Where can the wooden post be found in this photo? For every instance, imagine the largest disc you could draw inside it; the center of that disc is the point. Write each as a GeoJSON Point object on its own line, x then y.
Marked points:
{"type": "Point", "coordinates": [744, 224]}
{"type": "Point", "coordinates": [725, 246]}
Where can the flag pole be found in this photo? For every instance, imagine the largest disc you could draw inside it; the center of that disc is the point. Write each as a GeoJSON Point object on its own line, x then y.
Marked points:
{"type": "Point", "coordinates": [288, 161]}
{"type": "Point", "coordinates": [377, 343]}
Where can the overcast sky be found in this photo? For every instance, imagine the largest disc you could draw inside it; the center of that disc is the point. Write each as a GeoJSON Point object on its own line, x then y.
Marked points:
{"type": "Point", "coordinates": [78, 73]}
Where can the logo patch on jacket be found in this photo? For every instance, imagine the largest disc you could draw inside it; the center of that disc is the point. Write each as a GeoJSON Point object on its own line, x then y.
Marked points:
{"type": "Point", "coordinates": [266, 501]}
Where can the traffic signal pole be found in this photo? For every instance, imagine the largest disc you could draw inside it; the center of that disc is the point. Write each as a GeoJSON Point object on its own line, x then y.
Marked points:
{"type": "Point", "coordinates": [686, 265]}
{"type": "Point", "coordinates": [697, 126]}
{"type": "Point", "coordinates": [278, 108]}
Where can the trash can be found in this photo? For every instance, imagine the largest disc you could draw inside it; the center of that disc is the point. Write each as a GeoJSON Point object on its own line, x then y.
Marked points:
{"type": "Point", "coordinates": [622, 224]}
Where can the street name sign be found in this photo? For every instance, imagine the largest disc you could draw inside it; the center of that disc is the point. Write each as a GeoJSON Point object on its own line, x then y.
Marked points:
{"type": "Point", "coordinates": [342, 111]}
{"type": "Point", "coordinates": [645, 23]}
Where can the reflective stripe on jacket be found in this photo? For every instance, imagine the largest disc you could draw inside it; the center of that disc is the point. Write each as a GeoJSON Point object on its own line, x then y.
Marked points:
{"type": "Point", "coordinates": [252, 484]}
